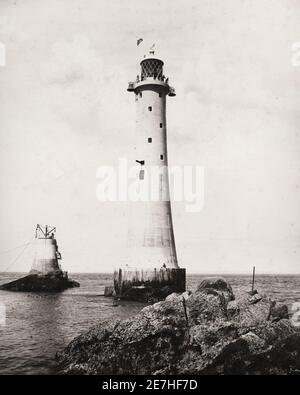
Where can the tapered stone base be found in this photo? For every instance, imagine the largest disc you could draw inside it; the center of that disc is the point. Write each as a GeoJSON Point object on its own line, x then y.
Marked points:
{"type": "Point", "coordinates": [148, 285]}
{"type": "Point", "coordinates": [38, 283]}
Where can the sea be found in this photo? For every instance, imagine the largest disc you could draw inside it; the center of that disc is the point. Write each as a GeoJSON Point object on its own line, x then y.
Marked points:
{"type": "Point", "coordinates": [33, 327]}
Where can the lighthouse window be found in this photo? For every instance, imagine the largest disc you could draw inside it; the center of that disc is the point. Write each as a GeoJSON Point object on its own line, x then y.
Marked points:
{"type": "Point", "coordinates": [161, 157]}
{"type": "Point", "coordinates": [142, 174]}
{"type": "Point", "coordinates": [141, 94]}
{"type": "Point", "coordinates": [160, 125]}
{"type": "Point", "coordinates": [150, 108]}
{"type": "Point", "coordinates": [149, 139]}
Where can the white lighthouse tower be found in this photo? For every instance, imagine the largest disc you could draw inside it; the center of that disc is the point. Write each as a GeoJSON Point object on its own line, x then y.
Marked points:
{"type": "Point", "coordinates": [151, 244]}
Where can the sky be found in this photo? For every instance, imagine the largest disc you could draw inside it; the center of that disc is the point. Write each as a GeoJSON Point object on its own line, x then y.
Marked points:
{"type": "Point", "coordinates": [65, 111]}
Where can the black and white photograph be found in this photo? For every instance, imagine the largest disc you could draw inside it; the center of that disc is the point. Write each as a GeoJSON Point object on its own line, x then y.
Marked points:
{"type": "Point", "coordinates": [150, 190]}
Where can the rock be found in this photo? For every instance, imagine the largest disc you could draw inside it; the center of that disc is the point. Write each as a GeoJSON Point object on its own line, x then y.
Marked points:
{"type": "Point", "coordinates": [190, 333]}
{"type": "Point", "coordinates": [273, 332]}
{"type": "Point", "coordinates": [205, 307]}
{"type": "Point", "coordinates": [233, 309]}
{"type": "Point", "coordinates": [206, 337]}
{"type": "Point", "coordinates": [255, 343]}
{"type": "Point", "coordinates": [173, 296]}
{"type": "Point", "coordinates": [38, 283]}
{"type": "Point", "coordinates": [254, 298]}
{"type": "Point", "coordinates": [279, 311]}
{"type": "Point", "coordinates": [254, 314]}
{"type": "Point", "coordinates": [295, 318]}
{"type": "Point", "coordinates": [247, 312]}
{"type": "Point", "coordinates": [218, 284]}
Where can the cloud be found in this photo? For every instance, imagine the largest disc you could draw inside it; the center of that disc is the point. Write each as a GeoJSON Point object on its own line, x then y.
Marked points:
{"type": "Point", "coordinates": [73, 61]}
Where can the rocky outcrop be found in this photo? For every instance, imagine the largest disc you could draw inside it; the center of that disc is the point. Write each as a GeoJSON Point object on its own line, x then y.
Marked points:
{"type": "Point", "coordinates": [38, 283]}
{"type": "Point", "coordinates": [209, 331]}
{"type": "Point", "coordinates": [217, 284]}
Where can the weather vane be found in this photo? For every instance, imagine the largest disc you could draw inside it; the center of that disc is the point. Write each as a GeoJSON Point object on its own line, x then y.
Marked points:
{"type": "Point", "coordinates": [139, 40]}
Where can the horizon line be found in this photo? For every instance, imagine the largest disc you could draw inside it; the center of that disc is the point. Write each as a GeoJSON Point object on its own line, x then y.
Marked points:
{"type": "Point", "coordinates": [188, 274]}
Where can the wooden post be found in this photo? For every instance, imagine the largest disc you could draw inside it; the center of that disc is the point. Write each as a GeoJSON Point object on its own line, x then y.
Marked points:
{"type": "Point", "coordinates": [253, 279]}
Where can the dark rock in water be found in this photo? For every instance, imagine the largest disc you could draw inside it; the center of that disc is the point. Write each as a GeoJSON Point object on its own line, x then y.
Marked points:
{"type": "Point", "coordinates": [38, 283]}
{"type": "Point", "coordinates": [191, 333]}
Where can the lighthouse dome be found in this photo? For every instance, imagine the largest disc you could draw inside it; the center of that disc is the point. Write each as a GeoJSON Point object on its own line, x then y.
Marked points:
{"type": "Point", "coordinates": [152, 67]}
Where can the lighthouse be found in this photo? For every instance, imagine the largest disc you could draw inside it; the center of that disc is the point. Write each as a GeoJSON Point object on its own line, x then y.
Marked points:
{"type": "Point", "coordinates": [152, 263]}
{"type": "Point", "coordinates": [46, 274]}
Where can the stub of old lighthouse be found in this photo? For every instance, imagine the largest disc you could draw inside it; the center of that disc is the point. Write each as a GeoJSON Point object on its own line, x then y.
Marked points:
{"type": "Point", "coordinates": [46, 257]}
{"type": "Point", "coordinates": [46, 273]}
{"type": "Point", "coordinates": [151, 270]}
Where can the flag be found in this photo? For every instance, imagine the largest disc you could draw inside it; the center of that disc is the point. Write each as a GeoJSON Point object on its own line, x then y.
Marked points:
{"type": "Point", "coordinates": [138, 41]}
{"type": "Point", "coordinates": [151, 49]}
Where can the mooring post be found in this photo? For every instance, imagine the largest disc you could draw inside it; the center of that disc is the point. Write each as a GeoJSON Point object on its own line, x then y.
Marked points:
{"type": "Point", "coordinates": [253, 279]}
